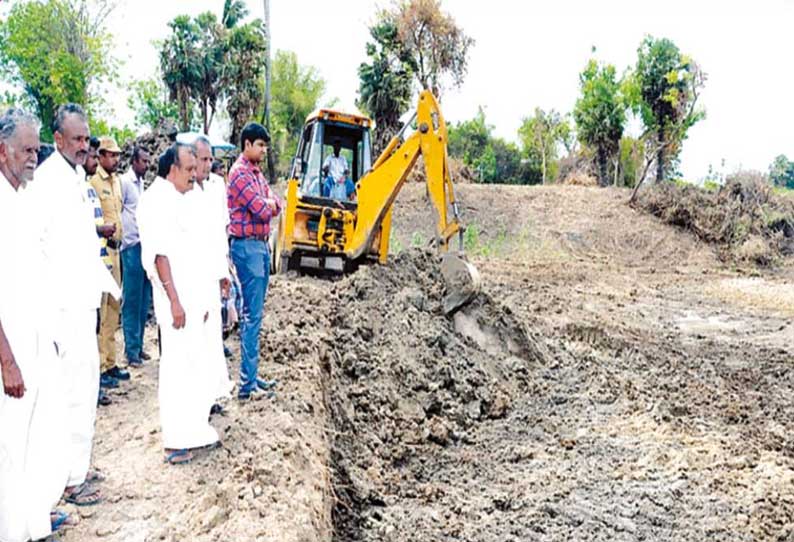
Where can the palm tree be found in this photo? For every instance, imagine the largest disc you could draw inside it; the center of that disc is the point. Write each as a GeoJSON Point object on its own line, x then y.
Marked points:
{"type": "Point", "coordinates": [179, 63]}
{"type": "Point", "coordinates": [234, 11]}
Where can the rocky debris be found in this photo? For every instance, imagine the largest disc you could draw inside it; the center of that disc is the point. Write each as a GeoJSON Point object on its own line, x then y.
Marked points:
{"type": "Point", "coordinates": [155, 143]}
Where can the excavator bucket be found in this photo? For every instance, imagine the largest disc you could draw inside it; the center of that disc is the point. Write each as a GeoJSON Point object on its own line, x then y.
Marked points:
{"type": "Point", "coordinates": [462, 281]}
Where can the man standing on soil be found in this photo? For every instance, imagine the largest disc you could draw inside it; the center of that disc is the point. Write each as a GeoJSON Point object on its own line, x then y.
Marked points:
{"type": "Point", "coordinates": [76, 278]}
{"type": "Point", "coordinates": [171, 255]}
{"type": "Point", "coordinates": [137, 289]}
{"type": "Point", "coordinates": [208, 206]}
{"type": "Point", "coordinates": [252, 205]}
{"type": "Point", "coordinates": [107, 185]}
{"type": "Point", "coordinates": [31, 404]}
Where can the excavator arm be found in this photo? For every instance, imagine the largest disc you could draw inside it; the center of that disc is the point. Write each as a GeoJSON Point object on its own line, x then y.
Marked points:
{"type": "Point", "coordinates": [378, 189]}
{"type": "Point", "coordinates": [328, 235]}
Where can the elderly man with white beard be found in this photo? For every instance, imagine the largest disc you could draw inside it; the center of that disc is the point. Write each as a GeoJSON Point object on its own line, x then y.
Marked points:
{"type": "Point", "coordinates": [172, 248]}
{"type": "Point", "coordinates": [76, 279]}
{"type": "Point", "coordinates": [31, 404]}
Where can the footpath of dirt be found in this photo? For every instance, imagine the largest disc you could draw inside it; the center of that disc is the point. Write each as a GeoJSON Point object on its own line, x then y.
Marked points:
{"type": "Point", "coordinates": [269, 481]}
{"type": "Point", "coordinates": [614, 381]}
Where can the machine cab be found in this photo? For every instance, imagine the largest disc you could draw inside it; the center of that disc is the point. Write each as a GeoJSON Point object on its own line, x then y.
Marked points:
{"type": "Point", "coordinates": [320, 173]}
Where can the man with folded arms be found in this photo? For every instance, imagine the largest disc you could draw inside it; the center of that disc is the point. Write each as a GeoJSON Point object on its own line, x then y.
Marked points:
{"type": "Point", "coordinates": [252, 207]}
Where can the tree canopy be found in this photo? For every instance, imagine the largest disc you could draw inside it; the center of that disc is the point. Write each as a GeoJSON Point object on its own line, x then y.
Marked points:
{"type": "Point", "coordinates": [205, 61]}
{"type": "Point", "coordinates": [600, 114]}
{"type": "Point", "coordinates": [296, 92]}
{"type": "Point", "coordinates": [435, 46]}
{"type": "Point", "coordinates": [57, 51]}
{"type": "Point", "coordinates": [414, 45]}
{"type": "Point", "coordinates": [541, 135]}
{"type": "Point", "coordinates": [781, 172]}
{"type": "Point", "coordinates": [664, 89]}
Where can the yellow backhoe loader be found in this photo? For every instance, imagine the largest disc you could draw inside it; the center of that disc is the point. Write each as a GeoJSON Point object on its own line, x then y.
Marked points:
{"type": "Point", "coordinates": [326, 228]}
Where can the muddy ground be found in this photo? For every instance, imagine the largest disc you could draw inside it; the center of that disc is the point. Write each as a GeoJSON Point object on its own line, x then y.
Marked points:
{"type": "Point", "coordinates": [614, 381]}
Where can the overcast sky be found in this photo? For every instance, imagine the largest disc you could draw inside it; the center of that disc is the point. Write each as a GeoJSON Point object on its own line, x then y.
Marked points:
{"type": "Point", "coordinates": [528, 54]}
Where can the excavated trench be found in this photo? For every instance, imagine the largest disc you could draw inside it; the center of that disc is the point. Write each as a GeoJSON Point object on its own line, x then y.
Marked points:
{"type": "Point", "coordinates": [620, 388]}
{"type": "Point", "coordinates": [406, 386]}
{"type": "Point", "coordinates": [474, 427]}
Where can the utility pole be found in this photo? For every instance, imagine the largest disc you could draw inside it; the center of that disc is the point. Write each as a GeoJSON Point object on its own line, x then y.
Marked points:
{"type": "Point", "coordinates": [271, 169]}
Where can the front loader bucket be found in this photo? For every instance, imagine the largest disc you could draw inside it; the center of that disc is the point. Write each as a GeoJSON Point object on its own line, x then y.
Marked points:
{"type": "Point", "coordinates": [462, 280]}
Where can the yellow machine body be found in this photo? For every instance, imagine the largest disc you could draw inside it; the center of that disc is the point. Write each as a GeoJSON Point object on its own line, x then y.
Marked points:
{"type": "Point", "coordinates": [317, 233]}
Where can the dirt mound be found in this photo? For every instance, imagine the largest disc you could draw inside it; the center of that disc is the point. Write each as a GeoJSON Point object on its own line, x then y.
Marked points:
{"type": "Point", "coordinates": [550, 224]}
{"type": "Point", "coordinates": [403, 380]}
{"type": "Point", "coordinates": [744, 218]}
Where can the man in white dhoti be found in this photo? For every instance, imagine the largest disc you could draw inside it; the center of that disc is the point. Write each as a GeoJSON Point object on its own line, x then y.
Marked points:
{"type": "Point", "coordinates": [31, 405]}
{"type": "Point", "coordinates": [76, 279]}
{"type": "Point", "coordinates": [209, 208]}
{"type": "Point", "coordinates": [171, 255]}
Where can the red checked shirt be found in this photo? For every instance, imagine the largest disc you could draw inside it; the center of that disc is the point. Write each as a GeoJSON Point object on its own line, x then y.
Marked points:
{"type": "Point", "coordinates": [246, 196]}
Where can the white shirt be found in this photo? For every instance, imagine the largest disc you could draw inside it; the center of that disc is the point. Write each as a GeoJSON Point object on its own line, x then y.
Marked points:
{"type": "Point", "coordinates": [218, 185]}
{"type": "Point", "coordinates": [208, 208]}
{"type": "Point", "coordinates": [76, 275]}
{"type": "Point", "coordinates": [168, 227]}
{"type": "Point", "coordinates": [337, 165]}
{"type": "Point", "coordinates": [23, 309]}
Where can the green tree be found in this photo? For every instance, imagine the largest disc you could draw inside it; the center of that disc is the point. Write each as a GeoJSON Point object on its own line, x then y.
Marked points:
{"type": "Point", "coordinates": [205, 62]}
{"type": "Point", "coordinates": [57, 51]}
{"type": "Point", "coordinates": [243, 73]}
{"type": "Point", "coordinates": [211, 54]}
{"type": "Point", "coordinates": [781, 172]}
{"type": "Point", "coordinates": [234, 11]}
{"type": "Point", "coordinates": [384, 81]}
{"type": "Point", "coordinates": [412, 41]}
{"type": "Point", "coordinates": [493, 159]}
{"type": "Point", "coordinates": [296, 92]}
{"type": "Point", "coordinates": [600, 114]}
{"type": "Point", "coordinates": [149, 100]}
{"type": "Point", "coordinates": [100, 127]}
{"type": "Point", "coordinates": [664, 89]}
{"type": "Point", "coordinates": [180, 66]}
{"type": "Point", "coordinates": [508, 162]}
{"type": "Point", "coordinates": [631, 160]}
{"type": "Point", "coordinates": [543, 133]}
{"type": "Point", "coordinates": [469, 139]}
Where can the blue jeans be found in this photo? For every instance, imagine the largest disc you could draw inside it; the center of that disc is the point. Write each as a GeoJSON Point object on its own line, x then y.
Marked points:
{"type": "Point", "coordinates": [136, 297]}
{"type": "Point", "coordinates": [252, 260]}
